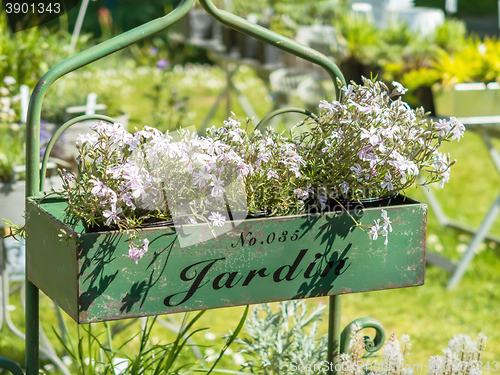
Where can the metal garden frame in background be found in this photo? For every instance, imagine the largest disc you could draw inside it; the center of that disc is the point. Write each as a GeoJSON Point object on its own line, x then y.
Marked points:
{"type": "Point", "coordinates": [35, 176]}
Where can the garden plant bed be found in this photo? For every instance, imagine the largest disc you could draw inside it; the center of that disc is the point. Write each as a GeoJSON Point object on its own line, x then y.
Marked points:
{"type": "Point", "coordinates": [261, 260]}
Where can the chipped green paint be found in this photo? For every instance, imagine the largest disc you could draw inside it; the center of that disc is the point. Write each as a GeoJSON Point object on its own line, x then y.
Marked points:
{"type": "Point", "coordinates": [262, 260]}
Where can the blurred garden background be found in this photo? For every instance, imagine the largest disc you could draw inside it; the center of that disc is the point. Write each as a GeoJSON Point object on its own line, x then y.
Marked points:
{"type": "Point", "coordinates": [176, 78]}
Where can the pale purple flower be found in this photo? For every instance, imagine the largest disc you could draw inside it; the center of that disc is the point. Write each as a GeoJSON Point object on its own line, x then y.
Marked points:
{"type": "Point", "coordinates": [127, 199]}
{"type": "Point", "coordinates": [112, 215]}
{"type": "Point", "coordinates": [98, 187]}
{"type": "Point", "coordinates": [374, 230]}
{"type": "Point", "coordinates": [443, 126]}
{"type": "Point", "coordinates": [372, 135]}
{"type": "Point", "coordinates": [387, 184]}
{"type": "Point", "coordinates": [162, 64]}
{"type": "Point", "coordinates": [217, 219]}
{"type": "Point", "coordinates": [345, 187]}
{"type": "Point", "coordinates": [337, 134]}
{"type": "Point", "coordinates": [137, 253]}
{"type": "Point", "coordinates": [457, 130]}
{"type": "Point", "coordinates": [301, 194]}
{"type": "Point", "coordinates": [236, 136]}
{"type": "Point", "coordinates": [349, 90]}
{"type": "Point", "coordinates": [218, 190]}
{"type": "Point", "coordinates": [272, 174]}
{"type": "Point", "coordinates": [357, 169]}
{"type": "Point", "coordinates": [100, 126]}
{"type": "Point", "coordinates": [200, 178]}
{"type": "Point", "coordinates": [243, 170]}
{"type": "Point", "coordinates": [328, 106]}
{"type": "Point", "coordinates": [116, 171]}
{"type": "Point", "coordinates": [214, 147]}
{"type": "Point", "coordinates": [322, 200]}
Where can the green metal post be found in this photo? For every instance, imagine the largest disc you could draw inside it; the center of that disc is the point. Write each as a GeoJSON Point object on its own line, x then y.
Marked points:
{"type": "Point", "coordinates": [32, 333]}
{"type": "Point", "coordinates": [334, 332]}
{"type": "Point", "coordinates": [33, 183]}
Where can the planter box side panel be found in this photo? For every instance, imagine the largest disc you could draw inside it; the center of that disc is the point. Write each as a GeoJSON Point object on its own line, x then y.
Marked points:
{"type": "Point", "coordinates": [51, 261]}
{"type": "Point", "coordinates": [262, 260]}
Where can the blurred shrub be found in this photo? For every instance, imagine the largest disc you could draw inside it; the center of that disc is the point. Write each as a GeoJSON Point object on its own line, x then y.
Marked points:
{"type": "Point", "coordinates": [27, 55]}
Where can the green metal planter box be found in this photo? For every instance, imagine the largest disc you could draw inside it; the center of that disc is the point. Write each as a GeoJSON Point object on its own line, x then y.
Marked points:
{"type": "Point", "coordinates": [261, 260]}
{"type": "Point", "coordinates": [467, 99]}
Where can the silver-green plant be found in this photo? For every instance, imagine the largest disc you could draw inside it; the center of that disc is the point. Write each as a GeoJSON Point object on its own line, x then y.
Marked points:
{"type": "Point", "coordinates": [461, 357]}
{"type": "Point", "coordinates": [279, 341]}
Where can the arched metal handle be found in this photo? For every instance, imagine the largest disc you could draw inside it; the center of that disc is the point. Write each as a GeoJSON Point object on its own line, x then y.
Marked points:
{"type": "Point", "coordinates": [272, 114]}
{"type": "Point", "coordinates": [57, 134]}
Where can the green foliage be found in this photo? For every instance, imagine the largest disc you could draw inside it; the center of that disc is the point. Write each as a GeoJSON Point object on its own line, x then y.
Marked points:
{"type": "Point", "coordinates": [11, 150]}
{"type": "Point", "coordinates": [476, 61]}
{"type": "Point", "coordinates": [27, 55]}
{"type": "Point", "coordinates": [362, 37]}
{"type": "Point", "coordinates": [97, 352]}
{"type": "Point", "coordinates": [465, 8]}
{"type": "Point", "coordinates": [451, 36]}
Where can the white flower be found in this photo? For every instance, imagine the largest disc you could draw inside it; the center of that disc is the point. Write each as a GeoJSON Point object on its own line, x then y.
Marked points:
{"type": "Point", "coordinates": [386, 223]}
{"type": "Point", "coordinates": [82, 139]}
{"type": "Point", "coordinates": [8, 80]}
{"type": "Point", "coordinates": [404, 338]}
{"type": "Point", "coordinates": [217, 219]}
{"type": "Point", "coordinates": [445, 178]}
{"type": "Point", "coordinates": [399, 88]}
{"type": "Point", "coordinates": [372, 135]}
{"type": "Point", "coordinates": [443, 126]}
{"type": "Point", "coordinates": [374, 230]}
{"type": "Point", "coordinates": [4, 91]}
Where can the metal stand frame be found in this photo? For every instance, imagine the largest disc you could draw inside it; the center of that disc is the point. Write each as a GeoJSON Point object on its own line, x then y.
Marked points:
{"type": "Point", "coordinates": [35, 176]}
{"type": "Point", "coordinates": [479, 125]}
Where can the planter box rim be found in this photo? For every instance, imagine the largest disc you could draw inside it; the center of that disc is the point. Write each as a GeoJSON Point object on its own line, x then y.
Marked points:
{"type": "Point", "coordinates": [79, 230]}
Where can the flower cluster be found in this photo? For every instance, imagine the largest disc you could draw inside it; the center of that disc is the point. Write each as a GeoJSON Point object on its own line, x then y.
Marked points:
{"type": "Point", "coordinates": [273, 182]}
{"type": "Point", "coordinates": [395, 350]}
{"type": "Point", "coordinates": [462, 356]}
{"type": "Point", "coordinates": [126, 179]}
{"type": "Point", "coordinates": [8, 101]}
{"type": "Point", "coordinates": [381, 229]}
{"type": "Point", "coordinates": [371, 143]}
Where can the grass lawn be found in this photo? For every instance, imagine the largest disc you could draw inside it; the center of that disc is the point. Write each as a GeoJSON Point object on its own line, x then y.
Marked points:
{"type": "Point", "coordinates": [430, 314]}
